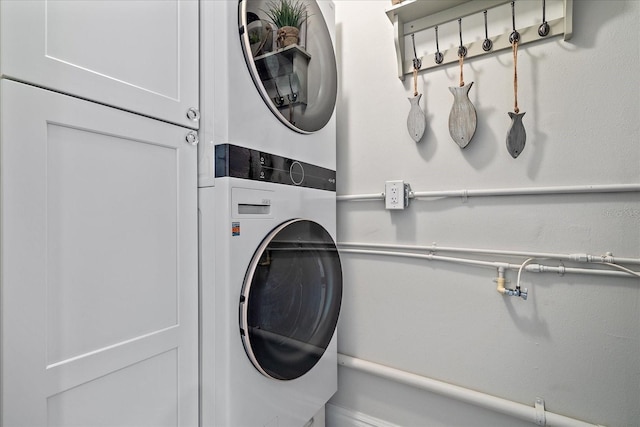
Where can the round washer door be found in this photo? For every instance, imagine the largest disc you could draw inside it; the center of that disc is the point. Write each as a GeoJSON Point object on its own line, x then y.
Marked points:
{"type": "Point", "coordinates": [291, 299]}
{"type": "Point", "coordinates": [295, 73]}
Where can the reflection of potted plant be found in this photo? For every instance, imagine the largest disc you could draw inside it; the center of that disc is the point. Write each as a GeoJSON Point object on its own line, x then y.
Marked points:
{"type": "Point", "coordinates": [288, 16]}
{"type": "Point", "coordinates": [260, 34]}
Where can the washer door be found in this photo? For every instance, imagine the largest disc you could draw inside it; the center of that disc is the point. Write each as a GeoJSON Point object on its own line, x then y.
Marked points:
{"type": "Point", "coordinates": [291, 299]}
{"type": "Point", "coordinates": [295, 72]}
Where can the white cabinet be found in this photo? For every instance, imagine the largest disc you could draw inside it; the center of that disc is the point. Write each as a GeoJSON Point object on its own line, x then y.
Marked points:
{"type": "Point", "coordinates": [140, 56]}
{"type": "Point", "coordinates": [99, 320]}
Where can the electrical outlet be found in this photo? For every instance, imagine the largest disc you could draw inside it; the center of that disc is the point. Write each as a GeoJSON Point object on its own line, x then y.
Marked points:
{"type": "Point", "coordinates": [394, 195]}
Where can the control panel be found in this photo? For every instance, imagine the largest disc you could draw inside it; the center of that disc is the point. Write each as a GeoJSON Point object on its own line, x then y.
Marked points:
{"type": "Point", "coordinates": [240, 162]}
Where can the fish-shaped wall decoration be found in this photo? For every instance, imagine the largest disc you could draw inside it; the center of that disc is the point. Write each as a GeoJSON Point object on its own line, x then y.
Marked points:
{"type": "Point", "coordinates": [516, 135]}
{"type": "Point", "coordinates": [416, 122]}
{"type": "Point", "coordinates": [462, 118]}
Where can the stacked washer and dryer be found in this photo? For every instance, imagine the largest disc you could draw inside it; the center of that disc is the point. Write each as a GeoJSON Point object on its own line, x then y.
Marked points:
{"type": "Point", "coordinates": [270, 274]}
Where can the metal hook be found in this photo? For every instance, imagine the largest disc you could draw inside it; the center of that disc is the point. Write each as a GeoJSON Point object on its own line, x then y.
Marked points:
{"type": "Point", "coordinates": [515, 35]}
{"type": "Point", "coordinates": [462, 51]}
{"type": "Point", "coordinates": [294, 94]}
{"type": "Point", "coordinates": [487, 44]}
{"type": "Point", "coordinates": [439, 57]}
{"type": "Point", "coordinates": [417, 62]}
{"type": "Point", "coordinates": [543, 29]}
{"type": "Point", "coordinates": [279, 100]}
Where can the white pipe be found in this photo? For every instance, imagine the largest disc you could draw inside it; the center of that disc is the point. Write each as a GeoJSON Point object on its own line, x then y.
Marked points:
{"type": "Point", "coordinates": [534, 268]}
{"type": "Point", "coordinates": [347, 197]}
{"type": "Point", "coordinates": [531, 191]}
{"type": "Point", "coordinates": [577, 257]}
{"type": "Point", "coordinates": [493, 192]}
{"type": "Point", "coordinates": [483, 400]}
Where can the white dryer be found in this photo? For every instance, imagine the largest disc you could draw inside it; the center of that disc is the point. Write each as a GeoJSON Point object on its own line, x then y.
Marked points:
{"type": "Point", "coordinates": [262, 95]}
{"type": "Point", "coordinates": [271, 289]}
{"type": "Point", "coordinates": [270, 275]}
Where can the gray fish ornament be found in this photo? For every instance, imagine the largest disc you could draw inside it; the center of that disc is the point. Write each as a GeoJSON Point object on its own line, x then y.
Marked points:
{"type": "Point", "coordinates": [462, 118]}
{"type": "Point", "coordinates": [516, 136]}
{"type": "Point", "coordinates": [416, 122]}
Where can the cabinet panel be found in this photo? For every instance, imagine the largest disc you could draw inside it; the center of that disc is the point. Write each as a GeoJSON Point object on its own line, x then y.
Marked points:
{"type": "Point", "coordinates": [111, 240]}
{"type": "Point", "coordinates": [99, 264]}
{"type": "Point", "coordinates": [148, 384]}
{"type": "Point", "coordinates": [140, 56]}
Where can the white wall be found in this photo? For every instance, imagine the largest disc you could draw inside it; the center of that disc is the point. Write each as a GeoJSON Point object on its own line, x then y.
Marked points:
{"type": "Point", "coordinates": [576, 341]}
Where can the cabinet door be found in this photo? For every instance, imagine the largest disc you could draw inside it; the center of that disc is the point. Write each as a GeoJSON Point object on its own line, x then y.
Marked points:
{"type": "Point", "coordinates": [99, 284]}
{"type": "Point", "coordinates": [141, 56]}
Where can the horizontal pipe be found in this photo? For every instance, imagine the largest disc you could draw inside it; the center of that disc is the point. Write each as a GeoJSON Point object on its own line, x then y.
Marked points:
{"type": "Point", "coordinates": [483, 400]}
{"type": "Point", "coordinates": [531, 191]}
{"type": "Point", "coordinates": [375, 196]}
{"type": "Point", "coordinates": [533, 268]}
{"type": "Point", "coordinates": [495, 192]}
{"type": "Point", "coordinates": [558, 256]}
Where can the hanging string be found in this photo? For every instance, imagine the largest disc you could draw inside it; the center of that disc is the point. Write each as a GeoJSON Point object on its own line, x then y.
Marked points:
{"type": "Point", "coordinates": [462, 51]}
{"type": "Point", "coordinates": [417, 63]}
{"type": "Point", "coordinates": [515, 76]}
{"type": "Point", "coordinates": [514, 38]}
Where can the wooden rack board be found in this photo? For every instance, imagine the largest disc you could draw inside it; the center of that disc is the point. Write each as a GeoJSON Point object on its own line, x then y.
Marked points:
{"type": "Point", "coordinates": [412, 16]}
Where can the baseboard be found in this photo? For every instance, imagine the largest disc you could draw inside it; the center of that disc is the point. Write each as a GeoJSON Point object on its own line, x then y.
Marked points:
{"type": "Point", "coordinates": [337, 416]}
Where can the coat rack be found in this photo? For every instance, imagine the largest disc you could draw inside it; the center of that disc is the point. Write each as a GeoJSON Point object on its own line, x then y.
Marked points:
{"type": "Point", "coordinates": [412, 16]}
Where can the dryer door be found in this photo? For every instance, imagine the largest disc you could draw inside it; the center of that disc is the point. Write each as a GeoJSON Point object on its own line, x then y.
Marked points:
{"type": "Point", "coordinates": [291, 299]}
{"type": "Point", "coordinates": [288, 49]}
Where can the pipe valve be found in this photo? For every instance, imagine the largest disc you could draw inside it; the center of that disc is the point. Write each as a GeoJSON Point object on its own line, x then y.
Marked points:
{"type": "Point", "coordinates": [517, 292]}
{"type": "Point", "coordinates": [522, 293]}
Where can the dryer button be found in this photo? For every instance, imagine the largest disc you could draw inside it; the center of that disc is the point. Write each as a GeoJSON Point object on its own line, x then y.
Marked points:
{"type": "Point", "coordinates": [296, 173]}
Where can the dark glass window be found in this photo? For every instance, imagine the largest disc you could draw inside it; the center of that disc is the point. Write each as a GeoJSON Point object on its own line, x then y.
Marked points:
{"type": "Point", "coordinates": [293, 67]}
{"type": "Point", "coordinates": [291, 299]}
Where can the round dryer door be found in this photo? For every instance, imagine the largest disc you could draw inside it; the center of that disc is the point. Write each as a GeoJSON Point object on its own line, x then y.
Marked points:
{"type": "Point", "coordinates": [288, 49]}
{"type": "Point", "coordinates": [291, 299]}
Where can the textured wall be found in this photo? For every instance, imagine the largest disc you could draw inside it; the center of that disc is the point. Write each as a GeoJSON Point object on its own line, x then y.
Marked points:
{"type": "Point", "coordinates": [576, 341]}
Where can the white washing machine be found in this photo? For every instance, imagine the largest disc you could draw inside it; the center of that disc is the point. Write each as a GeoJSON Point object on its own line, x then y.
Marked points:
{"type": "Point", "coordinates": [271, 288]}
{"type": "Point", "coordinates": [258, 95]}
{"type": "Point", "coordinates": [270, 275]}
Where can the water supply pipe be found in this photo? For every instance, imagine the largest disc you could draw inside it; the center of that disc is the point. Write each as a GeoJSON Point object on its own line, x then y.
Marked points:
{"type": "Point", "coordinates": [495, 192]}
{"type": "Point", "coordinates": [535, 414]}
{"type": "Point", "coordinates": [534, 268]}
{"type": "Point", "coordinates": [434, 248]}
